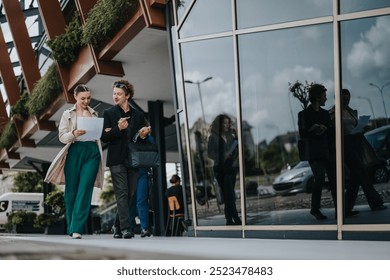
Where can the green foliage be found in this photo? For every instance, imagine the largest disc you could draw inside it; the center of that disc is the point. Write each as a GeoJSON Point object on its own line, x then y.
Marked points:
{"type": "Point", "coordinates": [20, 218]}
{"type": "Point", "coordinates": [301, 92]}
{"type": "Point", "coordinates": [105, 19]}
{"type": "Point", "coordinates": [27, 182]}
{"type": "Point", "coordinates": [8, 136]}
{"type": "Point", "coordinates": [45, 91]}
{"type": "Point", "coordinates": [65, 47]}
{"type": "Point", "coordinates": [108, 194]}
{"type": "Point", "coordinates": [20, 108]}
{"type": "Point", "coordinates": [44, 220]}
{"type": "Point", "coordinates": [55, 200]}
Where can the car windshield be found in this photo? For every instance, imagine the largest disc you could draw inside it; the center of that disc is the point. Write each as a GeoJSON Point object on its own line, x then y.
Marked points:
{"type": "Point", "coordinates": [376, 139]}
{"type": "Point", "coordinates": [302, 164]}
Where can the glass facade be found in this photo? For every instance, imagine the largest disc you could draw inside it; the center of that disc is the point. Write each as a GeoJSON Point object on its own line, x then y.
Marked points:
{"type": "Point", "coordinates": [245, 69]}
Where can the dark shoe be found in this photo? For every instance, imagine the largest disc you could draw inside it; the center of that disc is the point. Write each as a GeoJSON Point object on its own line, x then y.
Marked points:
{"type": "Point", "coordinates": [145, 233]}
{"type": "Point", "coordinates": [116, 232]}
{"type": "Point", "coordinates": [237, 221]}
{"type": "Point", "coordinates": [127, 233]}
{"type": "Point", "coordinates": [318, 215]}
{"type": "Point", "coordinates": [379, 208]}
{"type": "Point", "coordinates": [352, 213]}
{"type": "Point", "coordinates": [230, 223]}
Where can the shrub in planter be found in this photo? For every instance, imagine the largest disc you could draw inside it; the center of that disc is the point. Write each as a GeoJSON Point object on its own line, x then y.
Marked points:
{"type": "Point", "coordinates": [65, 47]}
{"type": "Point", "coordinates": [105, 19]}
{"type": "Point", "coordinates": [20, 109]}
{"type": "Point", "coordinates": [56, 219]}
{"type": "Point", "coordinates": [45, 91]}
{"type": "Point", "coordinates": [22, 222]}
{"type": "Point", "coordinates": [8, 136]}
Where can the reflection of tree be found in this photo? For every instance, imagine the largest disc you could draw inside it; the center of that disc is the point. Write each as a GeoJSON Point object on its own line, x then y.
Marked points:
{"type": "Point", "coordinates": [301, 92]}
{"type": "Point", "coordinates": [270, 158]}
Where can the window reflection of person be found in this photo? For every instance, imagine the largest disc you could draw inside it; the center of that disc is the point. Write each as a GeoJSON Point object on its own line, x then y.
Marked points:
{"type": "Point", "coordinates": [222, 149]}
{"type": "Point", "coordinates": [355, 148]}
{"type": "Point", "coordinates": [316, 127]}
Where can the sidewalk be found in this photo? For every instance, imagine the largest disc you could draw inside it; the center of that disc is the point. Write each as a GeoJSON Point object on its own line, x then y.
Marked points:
{"type": "Point", "coordinates": [104, 247]}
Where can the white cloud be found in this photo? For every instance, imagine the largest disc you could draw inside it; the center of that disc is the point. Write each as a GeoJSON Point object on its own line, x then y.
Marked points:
{"type": "Point", "coordinates": [370, 55]}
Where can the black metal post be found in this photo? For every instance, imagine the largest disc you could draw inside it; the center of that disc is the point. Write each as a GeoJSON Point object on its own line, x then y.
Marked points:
{"type": "Point", "coordinates": [156, 119]}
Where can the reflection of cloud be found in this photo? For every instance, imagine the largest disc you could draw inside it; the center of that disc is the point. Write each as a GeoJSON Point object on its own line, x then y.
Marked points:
{"type": "Point", "coordinates": [371, 54]}
{"type": "Point", "coordinates": [218, 96]}
{"type": "Point", "coordinates": [312, 32]}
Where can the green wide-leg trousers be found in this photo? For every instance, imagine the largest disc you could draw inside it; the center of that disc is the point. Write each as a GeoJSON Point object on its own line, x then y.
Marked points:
{"type": "Point", "coordinates": [81, 167]}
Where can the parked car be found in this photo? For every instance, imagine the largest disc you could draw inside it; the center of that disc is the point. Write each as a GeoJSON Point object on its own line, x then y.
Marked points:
{"type": "Point", "coordinates": [296, 180]}
{"type": "Point", "coordinates": [379, 139]}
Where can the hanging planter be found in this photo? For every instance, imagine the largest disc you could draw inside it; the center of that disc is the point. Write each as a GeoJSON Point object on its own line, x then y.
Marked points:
{"type": "Point", "coordinates": [105, 19]}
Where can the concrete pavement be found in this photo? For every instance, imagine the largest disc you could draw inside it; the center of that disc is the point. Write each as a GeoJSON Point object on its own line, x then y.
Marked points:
{"type": "Point", "coordinates": [103, 247]}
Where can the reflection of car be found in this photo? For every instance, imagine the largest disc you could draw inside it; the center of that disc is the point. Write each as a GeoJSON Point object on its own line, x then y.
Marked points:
{"type": "Point", "coordinates": [296, 180]}
{"type": "Point", "coordinates": [379, 139]}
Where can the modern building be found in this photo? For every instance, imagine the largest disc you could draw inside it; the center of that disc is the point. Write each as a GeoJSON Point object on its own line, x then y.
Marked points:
{"type": "Point", "coordinates": [189, 62]}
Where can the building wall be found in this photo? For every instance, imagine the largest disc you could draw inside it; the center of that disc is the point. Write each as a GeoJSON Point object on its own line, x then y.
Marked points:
{"type": "Point", "coordinates": [242, 61]}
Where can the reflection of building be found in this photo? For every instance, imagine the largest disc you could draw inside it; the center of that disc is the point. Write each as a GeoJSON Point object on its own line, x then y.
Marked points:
{"type": "Point", "coordinates": [288, 140]}
{"type": "Point", "coordinates": [252, 56]}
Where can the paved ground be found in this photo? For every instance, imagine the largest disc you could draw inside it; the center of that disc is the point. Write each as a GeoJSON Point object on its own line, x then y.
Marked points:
{"type": "Point", "coordinates": [104, 247]}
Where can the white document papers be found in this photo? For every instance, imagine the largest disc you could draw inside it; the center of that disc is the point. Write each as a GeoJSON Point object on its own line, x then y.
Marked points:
{"type": "Point", "coordinates": [232, 147]}
{"type": "Point", "coordinates": [93, 127]}
{"type": "Point", "coordinates": [362, 123]}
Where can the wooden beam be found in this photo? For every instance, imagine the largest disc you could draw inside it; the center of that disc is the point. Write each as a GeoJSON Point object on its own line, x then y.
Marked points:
{"type": "Point", "coordinates": [154, 14]}
{"type": "Point", "coordinates": [55, 25]}
{"type": "Point", "coordinates": [22, 43]}
{"type": "Point", "coordinates": [10, 83]}
{"type": "Point", "coordinates": [129, 31]}
{"type": "Point", "coordinates": [4, 165]}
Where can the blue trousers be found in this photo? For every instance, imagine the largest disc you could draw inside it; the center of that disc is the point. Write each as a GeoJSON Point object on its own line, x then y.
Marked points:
{"type": "Point", "coordinates": [140, 201]}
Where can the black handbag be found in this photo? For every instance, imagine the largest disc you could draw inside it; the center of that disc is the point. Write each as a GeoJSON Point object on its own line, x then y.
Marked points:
{"type": "Point", "coordinates": [144, 154]}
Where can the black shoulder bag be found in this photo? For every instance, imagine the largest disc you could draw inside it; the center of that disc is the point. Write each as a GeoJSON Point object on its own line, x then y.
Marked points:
{"type": "Point", "coordinates": [143, 153]}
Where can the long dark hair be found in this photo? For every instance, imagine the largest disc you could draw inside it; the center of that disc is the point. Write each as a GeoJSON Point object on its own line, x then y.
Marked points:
{"type": "Point", "coordinates": [217, 124]}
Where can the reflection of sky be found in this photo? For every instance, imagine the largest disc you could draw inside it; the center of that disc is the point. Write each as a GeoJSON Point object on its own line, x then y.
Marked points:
{"type": "Point", "coordinates": [210, 58]}
{"type": "Point", "coordinates": [208, 17]}
{"type": "Point", "coordinates": [366, 59]}
{"type": "Point", "coordinates": [269, 61]}
{"type": "Point", "coordinates": [262, 12]}
{"type": "Point", "coordinates": [349, 6]}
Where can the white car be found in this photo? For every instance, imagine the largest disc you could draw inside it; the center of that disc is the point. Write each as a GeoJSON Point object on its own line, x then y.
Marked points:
{"type": "Point", "coordinates": [296, 180]}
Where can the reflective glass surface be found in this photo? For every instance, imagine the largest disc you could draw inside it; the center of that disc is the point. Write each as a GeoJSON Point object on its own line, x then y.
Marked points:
{"type": "Point", "coordinates": [209, 91]}
{"type": "Point", "coordinates": [366, 75]}
{"type": "Point", "coordinates": [276, 180]}
{"type": "Point", "coordinates": [207, 17]}
{"type": "Point", "coordinates": [350, 6]}
{"type": "Point", "coordinates": [252, 13]}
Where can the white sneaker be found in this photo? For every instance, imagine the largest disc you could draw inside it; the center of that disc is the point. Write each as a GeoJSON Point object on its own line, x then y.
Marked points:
{"type": "Point", "coordinates": [76, 235]}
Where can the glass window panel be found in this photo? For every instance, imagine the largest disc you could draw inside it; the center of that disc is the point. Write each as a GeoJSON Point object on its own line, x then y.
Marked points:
{"type": "Point", "coordinates": [365, 61]}
{"type": "Point", "coordinates": [185, 168]}
{"type": "Point", "coordinates": [252, 13]}
{"type": "Point", "coordinates": [178, 80]}
{"type": "Point", "coordinates": [182, 6]}
{"type": "Point", "coordinates": [350, 6]}
{"type": "Point", "coordinates": [269, 113]}
{"type": "Point", "coordinates": [207, 17]}
{"type": "Point", "coordinates": [209, 85]}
